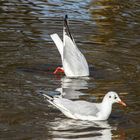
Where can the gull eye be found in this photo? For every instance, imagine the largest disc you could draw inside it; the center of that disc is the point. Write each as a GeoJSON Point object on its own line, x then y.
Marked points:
{"type": "Point", "coordinates": [115, 97]}
{"type": "Point", "coordinates": [109, 96]}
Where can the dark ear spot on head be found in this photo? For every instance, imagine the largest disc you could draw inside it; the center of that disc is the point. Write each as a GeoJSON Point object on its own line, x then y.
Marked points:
{"type": "Point", "coordinates": [115, 97]}
{"type": "Point", "coordinates": [109, 96]}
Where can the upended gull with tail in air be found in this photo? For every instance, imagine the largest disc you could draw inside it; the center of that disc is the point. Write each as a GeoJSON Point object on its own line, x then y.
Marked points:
{"type": "Point", "coordinates": [83, 110]}
{"type": "Point", "coordinates": [74, 63]}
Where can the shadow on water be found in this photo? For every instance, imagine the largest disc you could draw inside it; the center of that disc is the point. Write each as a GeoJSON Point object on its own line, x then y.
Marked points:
{"type": "Point", "coordinates": [107, 33]}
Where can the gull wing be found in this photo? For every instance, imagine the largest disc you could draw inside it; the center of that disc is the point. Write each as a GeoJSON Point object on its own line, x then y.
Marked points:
{"type": "Point", "coordinates": [76, 107]}
{"type": "Point", "coordinates": [59, 44]}
{"type": "Point", "coordinates": [74, 62]}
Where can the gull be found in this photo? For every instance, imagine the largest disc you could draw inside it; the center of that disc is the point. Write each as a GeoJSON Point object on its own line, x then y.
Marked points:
{"type": "Point", "coordinates": [83, 110]}
{"type": "Point", "coordinates": [73, 61]}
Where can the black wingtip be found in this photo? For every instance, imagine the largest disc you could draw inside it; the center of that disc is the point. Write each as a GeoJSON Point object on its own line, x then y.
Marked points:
{"type": "Point", "coordinates": [67, 27]}
{"type": "Point", "coordinates": [66, 17]}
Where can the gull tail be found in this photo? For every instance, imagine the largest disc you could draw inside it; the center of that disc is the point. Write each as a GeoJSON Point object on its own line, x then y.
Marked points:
{"type": "Point", "coordinates": [49, 98]}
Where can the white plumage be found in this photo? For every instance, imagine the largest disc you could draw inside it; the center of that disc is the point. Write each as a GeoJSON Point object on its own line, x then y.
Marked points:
{"type": "Point", "coordinates": [84, 110]}
{"type": "Point", "coordinates": [73, 61]}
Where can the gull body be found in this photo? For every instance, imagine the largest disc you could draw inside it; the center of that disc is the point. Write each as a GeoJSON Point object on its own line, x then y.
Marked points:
{"type": "Point", "coordinates": [84, 110]}
{"type": "Point", "coordinates": [73, 61]}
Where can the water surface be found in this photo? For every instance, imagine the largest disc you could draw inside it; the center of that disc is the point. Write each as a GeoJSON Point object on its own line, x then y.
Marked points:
{"type": "Point", "coordinates": [107, 33]}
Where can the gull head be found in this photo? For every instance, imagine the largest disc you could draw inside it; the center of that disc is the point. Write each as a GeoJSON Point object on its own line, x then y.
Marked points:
{"type": "Point", "coordinates": [112, 97]}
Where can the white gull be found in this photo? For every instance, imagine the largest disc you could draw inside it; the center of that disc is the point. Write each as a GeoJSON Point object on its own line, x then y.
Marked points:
{"type": "Point", "coordinates": [73, 61]}
{"type": "Point", "coordinates": [84, 110]}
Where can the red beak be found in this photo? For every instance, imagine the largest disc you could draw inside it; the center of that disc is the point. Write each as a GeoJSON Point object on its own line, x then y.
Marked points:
{"type": "Point", "coordinates": [122, 103]}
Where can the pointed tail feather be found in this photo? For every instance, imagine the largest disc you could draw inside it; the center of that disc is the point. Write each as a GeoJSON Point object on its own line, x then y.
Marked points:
{"type": "Point", "coordinates": [48, 97]}
{"type": "Point", "coordinates": [51, 100]}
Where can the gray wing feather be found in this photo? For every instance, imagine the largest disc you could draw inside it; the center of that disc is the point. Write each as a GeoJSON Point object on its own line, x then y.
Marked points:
{"type": "Point", "coordinates": [74, 61]}
{"type": "Point", "coordinates": [79, 107]}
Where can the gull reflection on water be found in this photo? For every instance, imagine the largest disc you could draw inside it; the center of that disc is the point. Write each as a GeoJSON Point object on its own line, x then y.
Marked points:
{"type": "Point", "coordinates": [65, 129]}
{"type": "Point", "coordinates": [70, 87]}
